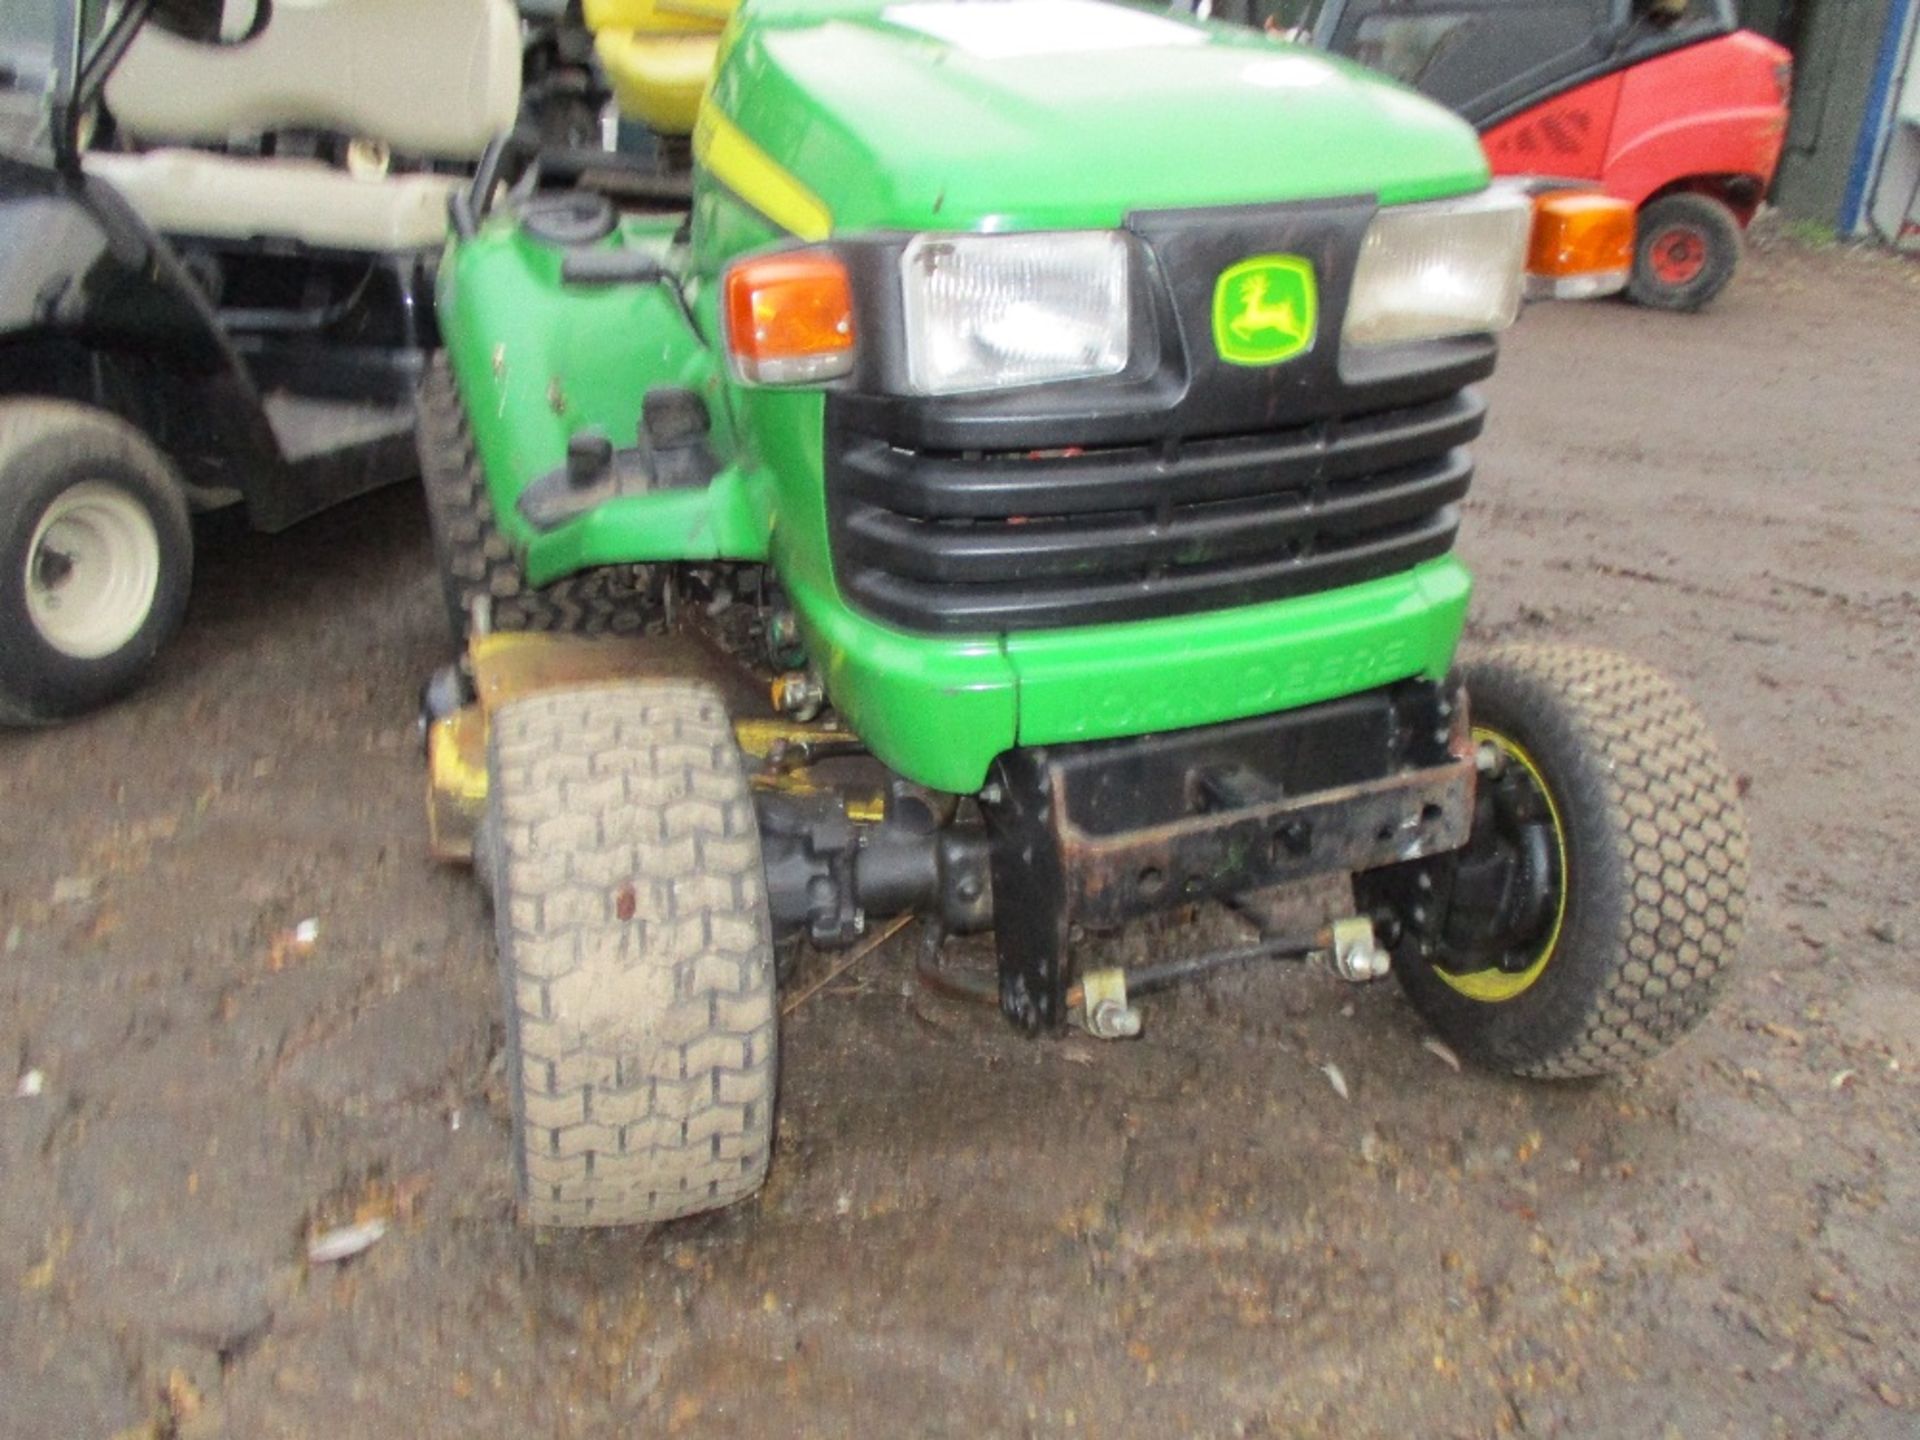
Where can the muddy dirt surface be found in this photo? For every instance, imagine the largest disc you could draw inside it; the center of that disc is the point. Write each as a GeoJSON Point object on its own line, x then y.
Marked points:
{"type": "Point", "coordinates": [965, 1233]}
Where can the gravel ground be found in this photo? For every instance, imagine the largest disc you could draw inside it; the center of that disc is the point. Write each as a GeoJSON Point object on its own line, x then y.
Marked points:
{"type": "Point", "coordinates": [969, 1234]}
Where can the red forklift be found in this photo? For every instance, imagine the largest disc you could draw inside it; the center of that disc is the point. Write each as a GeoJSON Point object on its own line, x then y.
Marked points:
{"type": "Point", "coordinates": [1666, 104]}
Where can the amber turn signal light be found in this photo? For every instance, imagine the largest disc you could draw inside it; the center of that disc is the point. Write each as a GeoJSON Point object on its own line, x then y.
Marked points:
{"type": "Point", "coordinates": [1581, 246]}
{"type": "Point", "coordinates": [789, 318]}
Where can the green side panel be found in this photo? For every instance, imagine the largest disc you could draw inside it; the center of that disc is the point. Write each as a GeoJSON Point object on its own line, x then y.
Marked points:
{"type": "Point", "coordinates": [723, 227]}
{"type": "Point", "coordinates": [538, 361]}
{"type": "Point", "coordinates": [1114, 680]}
{"type": "Point", "coordinates": [935, 709]}
{"type": "Point", "coordinates": [998, 117]}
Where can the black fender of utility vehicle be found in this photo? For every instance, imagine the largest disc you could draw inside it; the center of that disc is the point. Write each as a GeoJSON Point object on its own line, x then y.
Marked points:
{"type": "Point", "coordinates": [96, 308]}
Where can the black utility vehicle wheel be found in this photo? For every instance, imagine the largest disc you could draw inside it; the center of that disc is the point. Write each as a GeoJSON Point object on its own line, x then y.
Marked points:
{"type": "Point", "coordinates": [1684, 252]}
{"type": "Point", "coordinates": [96, 558]}
{"type": "Point", "coordinates": [1586, 924]}
{"type": "Point", "coordinates": [474, 558]}
{"type": "Point", "coordinates": [631, 915]}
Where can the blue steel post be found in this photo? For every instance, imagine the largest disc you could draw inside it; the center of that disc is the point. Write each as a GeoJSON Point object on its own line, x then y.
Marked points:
{"type": "Point", "coordinates": [1875, 122]}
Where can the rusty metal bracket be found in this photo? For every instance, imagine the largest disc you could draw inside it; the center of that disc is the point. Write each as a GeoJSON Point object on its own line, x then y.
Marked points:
{"type": "Point", "coordinates": [1097, 834]}
{"type": "Point", "coordinates": [1032, 911]}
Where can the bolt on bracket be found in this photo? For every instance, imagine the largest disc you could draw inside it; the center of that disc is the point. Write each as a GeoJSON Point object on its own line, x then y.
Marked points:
{"type": "Point", "coordinates": [1104, 1010]}
{"type": "Point", "coordinates": [1356, 952]}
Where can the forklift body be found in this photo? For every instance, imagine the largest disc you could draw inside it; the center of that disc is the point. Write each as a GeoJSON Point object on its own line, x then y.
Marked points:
{"type": "Point", "coordinates": [1649, 101]}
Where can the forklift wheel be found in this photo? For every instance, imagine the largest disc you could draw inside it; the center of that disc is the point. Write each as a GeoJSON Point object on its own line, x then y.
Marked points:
{"type": "Point", "coordinates": [634, 941]}
{"type": "Point", "coordinates": [96, 558]}
{"type": "Point", "coordinates": [474, 558]}
{"type": "Point", "coordinates": [1684, 252]}
{"type": "Point", "coordinates": [1586, 923]}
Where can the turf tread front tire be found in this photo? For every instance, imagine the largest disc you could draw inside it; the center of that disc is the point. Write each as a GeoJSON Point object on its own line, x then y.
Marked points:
{"type": "Point", "coordinates": [636, 954]}
{"type": "Point", "coordinates": [474, 559]}
{"type": "Point", "coordinates": [1657, 861]}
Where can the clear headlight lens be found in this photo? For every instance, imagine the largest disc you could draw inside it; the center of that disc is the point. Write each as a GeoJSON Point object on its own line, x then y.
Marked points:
{"type": "Point", "coordinates": [987, 312]}
{"type": "Point", "coordinates": [1451, 267]}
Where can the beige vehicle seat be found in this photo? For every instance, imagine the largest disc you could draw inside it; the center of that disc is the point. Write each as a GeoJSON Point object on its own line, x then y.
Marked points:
{"type": "Point", "coordinates": [424, 78]}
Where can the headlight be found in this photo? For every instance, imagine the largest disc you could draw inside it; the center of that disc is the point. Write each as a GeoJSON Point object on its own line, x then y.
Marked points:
{"type": "Point", "coordinates": [1452, 267]}
{"type": "Point", "coordinates": [985, 312]}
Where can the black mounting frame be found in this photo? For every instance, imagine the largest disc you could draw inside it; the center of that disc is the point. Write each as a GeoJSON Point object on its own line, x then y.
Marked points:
{"type": "Point", "coordinates": [1096, 834]}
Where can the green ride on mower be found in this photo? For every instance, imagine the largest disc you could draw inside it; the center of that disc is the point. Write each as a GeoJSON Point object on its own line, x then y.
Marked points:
{"type": "Point", "coordinates": [999, 500]}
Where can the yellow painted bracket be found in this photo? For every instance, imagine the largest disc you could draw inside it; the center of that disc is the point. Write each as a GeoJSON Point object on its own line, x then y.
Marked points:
{"type": "Point", "coordinates": [509, 666]}
{"type": "Point", "coordinates": [456, 783]}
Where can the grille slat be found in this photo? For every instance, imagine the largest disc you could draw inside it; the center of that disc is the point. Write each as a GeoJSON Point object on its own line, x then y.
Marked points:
{"type": "Point", "coordinates": [999, 542]}
{"type": "Point", "coordinates": [1114, 545]}
{"type": "Point", "coordinates": [986, 608]}
{"type": "Point", "coordinates": [936, 486]}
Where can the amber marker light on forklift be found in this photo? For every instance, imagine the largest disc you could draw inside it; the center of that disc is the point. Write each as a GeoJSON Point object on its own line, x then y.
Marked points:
{"type": "Point", "coordinates": [1582, 245]}
{"type": "Point", "coordinates": [789, 318]}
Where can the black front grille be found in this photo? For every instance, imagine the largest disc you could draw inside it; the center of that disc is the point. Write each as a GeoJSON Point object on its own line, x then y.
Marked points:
{"type": "Point", "coordinates": [994, 541]}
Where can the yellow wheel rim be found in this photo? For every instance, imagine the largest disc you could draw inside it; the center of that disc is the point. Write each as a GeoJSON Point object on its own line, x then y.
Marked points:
{"type": "Point", "coordinates": [1493, 987]}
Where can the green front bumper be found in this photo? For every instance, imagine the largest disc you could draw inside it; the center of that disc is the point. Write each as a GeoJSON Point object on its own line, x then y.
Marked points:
{"type": "Point", "coordinates": [938, 710]}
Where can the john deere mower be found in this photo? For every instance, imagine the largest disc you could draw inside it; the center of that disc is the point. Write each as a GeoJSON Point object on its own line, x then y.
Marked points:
{"type": "Point", "coordinates": [1001, 500]}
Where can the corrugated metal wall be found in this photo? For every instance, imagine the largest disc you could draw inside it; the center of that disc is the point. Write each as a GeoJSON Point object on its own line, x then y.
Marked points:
{"type": "Point", "coordinates": [1841, 106]}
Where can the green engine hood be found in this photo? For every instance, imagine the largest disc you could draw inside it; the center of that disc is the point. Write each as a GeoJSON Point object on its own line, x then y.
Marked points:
{"type": "Point", "coordinates": [1030, 114]}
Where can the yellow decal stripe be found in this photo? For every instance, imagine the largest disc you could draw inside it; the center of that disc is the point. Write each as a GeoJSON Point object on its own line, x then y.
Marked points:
{"type": "Point", "coordinates": [744, 168]}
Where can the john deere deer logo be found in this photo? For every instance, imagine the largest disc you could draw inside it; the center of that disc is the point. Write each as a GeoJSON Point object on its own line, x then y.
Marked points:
{"type": "Point", "coordinates": [1264, 310]}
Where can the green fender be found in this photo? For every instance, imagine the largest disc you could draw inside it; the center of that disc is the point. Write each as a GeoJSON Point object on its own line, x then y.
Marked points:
{"type": "Point", "coordinates": [537, 361]}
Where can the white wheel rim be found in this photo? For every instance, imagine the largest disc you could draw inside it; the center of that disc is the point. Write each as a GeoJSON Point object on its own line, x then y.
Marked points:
{"type": "Point", "coordinates": [93, 569]}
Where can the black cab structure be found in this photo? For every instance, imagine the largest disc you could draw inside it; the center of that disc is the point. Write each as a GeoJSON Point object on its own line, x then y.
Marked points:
{"type": "Point", "coordinates": [1492, 59]}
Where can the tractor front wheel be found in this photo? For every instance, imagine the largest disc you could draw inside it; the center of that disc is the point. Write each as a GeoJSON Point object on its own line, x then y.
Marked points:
{"type": "Point", "coordinates": [1685, 249]}
{"type": "Point", "coordinates": [635, 949]}
{"type": "Point", "coordinates": [474, 558]}
{"type": "Point", "coordinates": [1586, 924]}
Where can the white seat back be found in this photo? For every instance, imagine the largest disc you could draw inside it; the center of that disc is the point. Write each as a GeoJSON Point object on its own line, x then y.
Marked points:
{"type": "Point", "coordinates": [429, 77]}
